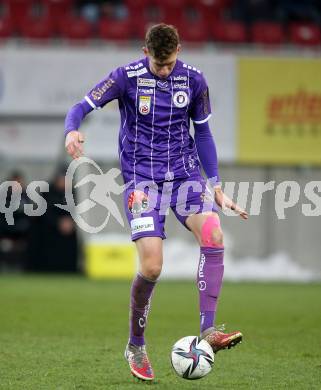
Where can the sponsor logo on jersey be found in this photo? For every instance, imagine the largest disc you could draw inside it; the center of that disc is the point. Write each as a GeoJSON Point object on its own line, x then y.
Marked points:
{"type": "Point", "coordinates": [144, 104]}
{"type": "Point", "coordinates": [146, 83]}
{"type": "Point", "coordinates": [180, 78]}
{"type": "Point", "coordinates": [98, 93]}
{"type": "Point", "coordinates": [180, 86]}
{"type": "Point", "coordinates": [132, 73]}
{"type": "Point", "coordinates": [146, 91]}
{"type": "Point", "coordinates": [162, 84]}
{"type": "Point", "coordinates": [129, 67]}
{"type": "Point", "coordinates": [144, 224]}
{"type": "Point", "coordinates": [180, 99]}
{"type": "Point", "coordinates": [191, 68]}
{"type": "Point", "coordinates": [138, 72]}
{"type": "Point", "coordinates": [141, 71]}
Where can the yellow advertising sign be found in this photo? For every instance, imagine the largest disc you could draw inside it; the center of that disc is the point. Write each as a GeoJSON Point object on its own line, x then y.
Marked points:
{"type": "Point", "coordinates": [279, 111]}
{"type": "Point", "coordinates": [106, 260]}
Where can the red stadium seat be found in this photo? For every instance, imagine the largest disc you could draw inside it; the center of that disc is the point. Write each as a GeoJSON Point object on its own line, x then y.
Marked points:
{"type": "Point", "coordinates": [193, 32]}
{"type": "Point", "coordinates": [114, 29]}
{"type": "Point", "coordinates": [175, 4]}
{"type": "Point", "coordinates": [171, 9]}
{"type": "Point", "coordinates": [305, 34]}
{"type": "Point", "coordinates": [18, 11]}
{"type": "Point", "coordinates": [56, 10]}
{"type": "Point", "coordinates": [267, 33]}
{"type": "Point", "coordinates": [37, 28]}
{"type": "Point", "coordinates": [137, 8]}
{"type": "Point", "coordinates": [6, 28]}
{"type": "Point", "coordinates": [188, 17]}
{"type": "Point", "coordinates": [75, 28]}
{"type": "Point", "coordinates": [229, 32]}
{"type": "Point", "coordinates": [4, 8]}
{"type": "Point", "coordinates": [142, 18]}
{"type": "Point", "coordinates": [192, 23]}
{"type": "Point", "coordinates": [137, 4]}
{"type": "Point", "coordinates": [212, 10]}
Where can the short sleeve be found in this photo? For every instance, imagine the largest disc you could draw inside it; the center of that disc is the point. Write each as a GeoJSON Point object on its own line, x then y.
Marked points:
{"type": "Point", "coordinates": [110, 88]}
{"type": "Point", "coordinates": [200, 108]}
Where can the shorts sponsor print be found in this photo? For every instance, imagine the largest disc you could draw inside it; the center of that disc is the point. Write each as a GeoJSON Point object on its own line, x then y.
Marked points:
{"type": "Point", "coordinates": [143, 224]}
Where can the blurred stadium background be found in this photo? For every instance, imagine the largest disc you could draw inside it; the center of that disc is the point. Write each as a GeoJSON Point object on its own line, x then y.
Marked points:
{"type": "Point", "coordinates": [262, 63]}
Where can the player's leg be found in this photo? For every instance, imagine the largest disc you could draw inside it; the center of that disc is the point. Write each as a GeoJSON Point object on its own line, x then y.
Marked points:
{"type": "Point", "coordinates": [147, 231]}
{"type": "Point", "coordinates": [150, 252]}
{"type": "Point", "coordinates": [209, 235]}
{"type": "Point", "coordinates": [207, 230]}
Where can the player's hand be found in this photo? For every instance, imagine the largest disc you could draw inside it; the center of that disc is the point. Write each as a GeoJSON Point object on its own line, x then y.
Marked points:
{"type": "Point", "coordinates": [225, 202]}
{"type": "Point", "coordinates": [74, 144]}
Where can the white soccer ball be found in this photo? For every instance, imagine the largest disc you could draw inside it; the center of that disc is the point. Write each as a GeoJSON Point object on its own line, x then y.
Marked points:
{"type": "Point", "coordinates": [192, 358]}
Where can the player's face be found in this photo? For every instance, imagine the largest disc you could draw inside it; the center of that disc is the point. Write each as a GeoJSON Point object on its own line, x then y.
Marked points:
{"type": "Point", "coordinates": [162, 68]}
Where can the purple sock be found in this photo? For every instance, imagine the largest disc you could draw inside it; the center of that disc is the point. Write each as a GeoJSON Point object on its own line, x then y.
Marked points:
{"type": "Point", "coordinates": [209, 282]}
{"type": "Point", "coordinates": [141, 294]}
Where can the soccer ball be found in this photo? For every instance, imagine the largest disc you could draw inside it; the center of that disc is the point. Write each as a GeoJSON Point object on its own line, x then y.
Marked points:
{"type": "Point", "coordinates": [192, 358]}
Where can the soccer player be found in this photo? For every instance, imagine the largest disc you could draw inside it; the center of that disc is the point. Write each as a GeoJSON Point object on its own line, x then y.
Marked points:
{"type": "Point", "coordinates": [158, 96]}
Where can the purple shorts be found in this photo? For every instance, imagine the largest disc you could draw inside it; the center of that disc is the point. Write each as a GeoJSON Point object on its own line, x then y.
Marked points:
{"type": "Point", "coordinates": [147, 203]}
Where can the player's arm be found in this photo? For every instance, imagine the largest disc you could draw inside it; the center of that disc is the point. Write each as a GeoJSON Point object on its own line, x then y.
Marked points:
{"type": "Point", "coordinates": [200, 113]}
{"type": "Point", "coordinates": [206, 150]}
{"type": "Point", "coordinates": [74, 138]}
{"type": "Point", "coordinates": [110, 88]}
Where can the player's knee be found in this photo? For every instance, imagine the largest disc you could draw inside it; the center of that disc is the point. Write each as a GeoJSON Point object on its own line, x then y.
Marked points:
{"type": "Point", "coordinates": [152, 271]}
{"type": "Point", "coordinates": [211, 233]}
{"type": "Point", "coordinates": [217, 237]}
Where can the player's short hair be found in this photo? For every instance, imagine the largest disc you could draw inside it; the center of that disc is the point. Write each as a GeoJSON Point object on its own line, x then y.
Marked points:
{"type": "Point", "coordinates": [162, 40]}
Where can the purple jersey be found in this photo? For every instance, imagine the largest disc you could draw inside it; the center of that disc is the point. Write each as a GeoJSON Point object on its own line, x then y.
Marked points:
{"type": "Point", "coordinates": [154, 139]}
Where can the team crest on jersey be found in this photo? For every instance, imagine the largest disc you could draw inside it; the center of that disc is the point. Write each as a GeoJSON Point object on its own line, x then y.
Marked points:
{"type": "Point", "coordinates": [144, 104]}
{"type": "Point", "coordinates": [137, 202]}
{"type": "Point", "coordinates": [180, 99]}
{"type": "Point", "coordinates": [162, 84]}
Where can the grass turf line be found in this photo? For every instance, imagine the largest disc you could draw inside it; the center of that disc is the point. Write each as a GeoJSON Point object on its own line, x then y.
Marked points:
{"type": "Point", "coordinates": [65, 333]}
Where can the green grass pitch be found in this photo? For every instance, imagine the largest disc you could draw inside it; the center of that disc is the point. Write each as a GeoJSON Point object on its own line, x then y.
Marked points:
{"type": "Point", "coordinates": [64, 333]}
